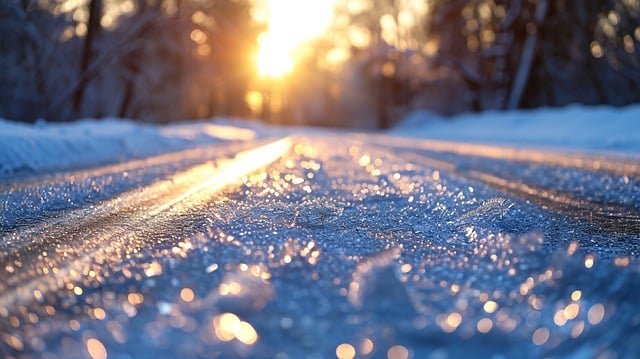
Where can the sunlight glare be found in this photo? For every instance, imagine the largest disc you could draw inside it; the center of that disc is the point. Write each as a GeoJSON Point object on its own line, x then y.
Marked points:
{"type": "Point", "coordinates": [290, 24]}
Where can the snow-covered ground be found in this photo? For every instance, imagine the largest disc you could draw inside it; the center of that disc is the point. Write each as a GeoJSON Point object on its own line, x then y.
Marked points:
{"type": "Point", "coordinates": [42, 147]}
{"type": "Point", "coordinates": [575, 127]}
{"type": "Point", "coordinates": [344, 245]}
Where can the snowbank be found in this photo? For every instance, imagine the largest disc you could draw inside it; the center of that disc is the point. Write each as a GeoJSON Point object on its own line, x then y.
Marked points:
{"type": "Point", "coordinates": [42, 147]}
{"type": "Point", "coordinates": [575, 128]}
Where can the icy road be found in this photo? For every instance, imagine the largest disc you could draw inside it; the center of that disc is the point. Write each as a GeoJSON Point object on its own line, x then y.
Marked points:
{"type": "Point", "coordinates": [331, 245]}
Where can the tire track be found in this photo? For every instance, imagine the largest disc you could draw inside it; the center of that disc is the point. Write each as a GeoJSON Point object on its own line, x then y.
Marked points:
{"type": "Point", "coordinates": [64, 250]}
{"type": "Point", "coordinates": [618, 219]}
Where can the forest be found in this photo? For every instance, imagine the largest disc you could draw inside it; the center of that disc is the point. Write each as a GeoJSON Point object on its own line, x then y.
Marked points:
{"type": "Point", "coordinates": [375, 61]}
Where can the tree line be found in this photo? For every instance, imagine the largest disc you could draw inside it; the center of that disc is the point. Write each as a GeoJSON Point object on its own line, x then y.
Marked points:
{"type": "Point", "coordinates": [160, 61]}
{"type": "Point", "coordinates": [478, 55]}
{"type": "Point", "coordinates": [164, 60]}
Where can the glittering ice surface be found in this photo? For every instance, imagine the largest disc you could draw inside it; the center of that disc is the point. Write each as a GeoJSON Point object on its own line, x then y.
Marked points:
{"type": "Point", "coordinates": [340, 249]}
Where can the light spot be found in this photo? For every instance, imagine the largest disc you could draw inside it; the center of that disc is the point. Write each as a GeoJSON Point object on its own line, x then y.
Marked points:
{"type": "Point", "coordinates": [540, 336]}
{"type": "Point", "coordinates": [576, 295]}
{"type": "Point", "coordinates": [96, 349]}
{"type": "Point", "coordinates": [153, 269]}
{"type": "Point", "coordinates": [406, 268]}
{"type": "Point", "coordinates": [228, 326]}
{"type": "Point", "coordinates": [74, 325]}
{"type": "Point", "coordinates": [621, 261]}
{"type": "Point", "coordinates": [198, 36]}
{"type": "Point", "coordinates": [135, 298]}
{"type": "Point", "coordinates": [345, 351]}
{"type": "Point", "coordinates": [14, 342]}
{"type": "Point", "coordinates": [366, 347]}
{"type": "Point", "coordinates": [573, 247]}
{"type": "Point", "coordinates": [246, 334]}
{"type": "Point", "coordinates": [99, 313]}
{"type": "Point", "coordinates": [577, 329]}
{"type": "Point", "coordinates": [364, 161]}
{"type": "Point", "coordinates": [484, 325]}
{"type": "Point", "coordinates": [198, 17]}
{"type": "Point", "coordinates": [212, 268]}
{"type": "Point", "coordinates": [559, 318]}
{"type": "Point", "coordinates": [232, 288]}
{"type": "Point", "coordinates": [388, 69]}
{"type": "Point", "coordinates": [187, 295]}
{"type": "Point", "coordinates": [571, 311]}
{"type": "Point", "coordinates": [490, 306]}
{"type": "Point", "coordinates": [397, 352]}
{"type": "Point", "coordinates": [589, 261]}
{"type": "Point", "coordinates": [596, 50]}
{"type": "Point", "coordinates": [596, 314]}
{"type": "Point", "coordinates": [454, 320]}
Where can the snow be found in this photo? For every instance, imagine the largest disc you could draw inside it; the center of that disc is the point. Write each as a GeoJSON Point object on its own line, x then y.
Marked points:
{"type": "Point", "coordinates": [45, 147]}
{"type": "Point", "coordinates": [347, 246]}
{"type": "Point", "coordinates": [576, 127]}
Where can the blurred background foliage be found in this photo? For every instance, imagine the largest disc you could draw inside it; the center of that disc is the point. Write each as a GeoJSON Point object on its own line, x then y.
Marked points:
{"type": "Point", "coordinates": [375, 60]}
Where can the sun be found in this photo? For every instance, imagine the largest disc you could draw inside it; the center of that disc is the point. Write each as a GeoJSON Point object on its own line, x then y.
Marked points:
{"type": "Point", "coordinates": [290, 23]}
{"type": "Point", "coordinates": [274, 56]}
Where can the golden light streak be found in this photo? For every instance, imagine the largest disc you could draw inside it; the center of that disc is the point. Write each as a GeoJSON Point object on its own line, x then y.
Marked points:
{"type": "Point", "coordinates": [226, 173]}
{"type": "Point", "coordinates": [181, 192]}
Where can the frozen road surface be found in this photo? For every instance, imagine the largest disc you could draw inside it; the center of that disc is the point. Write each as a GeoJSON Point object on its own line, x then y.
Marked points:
{"type": "Point", "coordinates": [331, 245]}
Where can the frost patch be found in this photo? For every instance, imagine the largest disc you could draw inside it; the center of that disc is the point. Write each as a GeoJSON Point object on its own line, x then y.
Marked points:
{"type": "Point", "coordinates": [317, 214]}
{"type": "Point", "coordinates": [375, 286]}
{"type": "Point", "coordinates": [490, 209]}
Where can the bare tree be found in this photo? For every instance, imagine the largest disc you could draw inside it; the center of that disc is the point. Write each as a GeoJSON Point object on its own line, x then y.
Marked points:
{"type": "Point", "coordinates": [513, 54]}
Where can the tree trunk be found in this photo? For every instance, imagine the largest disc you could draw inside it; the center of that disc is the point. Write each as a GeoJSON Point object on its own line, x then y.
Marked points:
{"type": "Point", "coordinates": [528, 54]}
{"type": "Point", "coordinates": [93, 27]}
